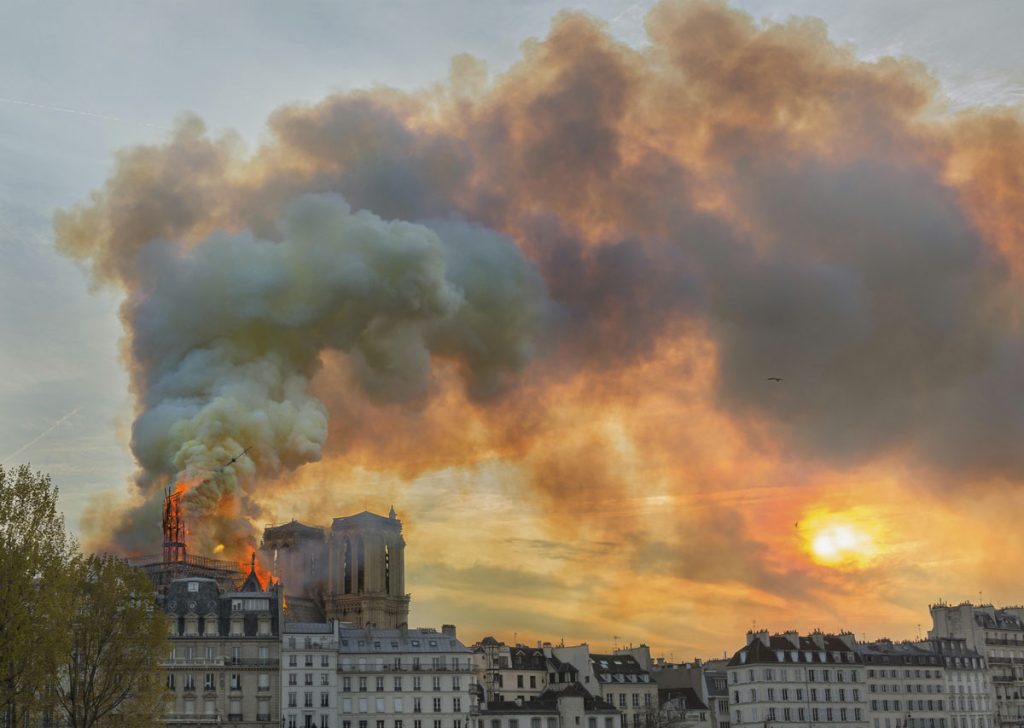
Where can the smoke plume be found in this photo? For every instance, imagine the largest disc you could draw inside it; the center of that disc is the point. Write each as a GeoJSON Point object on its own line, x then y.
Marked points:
{"type": "Point", "coordinates": [731, 202]}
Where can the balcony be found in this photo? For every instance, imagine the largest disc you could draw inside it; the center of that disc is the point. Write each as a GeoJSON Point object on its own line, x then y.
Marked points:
{"type": "Point", "coordinates": [234, 717]}
{"type": "Point", "coordinates": [190, 718]}
{"type": "Point", "coordinates": [405, 668]}
{"type": "Point", "coordinates": [251, 661]}
{"type": "Point", "coordinates": [194, 661]}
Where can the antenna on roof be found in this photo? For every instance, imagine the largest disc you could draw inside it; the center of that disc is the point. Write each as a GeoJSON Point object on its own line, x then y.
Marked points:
{"type": "Point", "coordinates": [615, 640]}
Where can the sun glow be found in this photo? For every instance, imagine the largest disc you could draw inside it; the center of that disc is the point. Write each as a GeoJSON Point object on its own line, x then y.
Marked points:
{"type": "Point", "coordinates": [843, 540]}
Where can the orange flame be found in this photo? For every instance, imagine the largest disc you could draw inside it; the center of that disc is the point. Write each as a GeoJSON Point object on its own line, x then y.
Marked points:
{"type": "Point", "coordinates": [253, 561]}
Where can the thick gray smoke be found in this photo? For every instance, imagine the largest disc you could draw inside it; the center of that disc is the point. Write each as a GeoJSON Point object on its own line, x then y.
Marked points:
{"type": "Point", "coordinates": [228, 333]}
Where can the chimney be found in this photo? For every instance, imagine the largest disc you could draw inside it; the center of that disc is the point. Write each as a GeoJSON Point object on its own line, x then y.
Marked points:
{"type": "Point", "coordinates": [818, 639]}
{"type": "Point", "coordinates": [793, 636]}
{"type": "Point", "coordinates": [448, 630]}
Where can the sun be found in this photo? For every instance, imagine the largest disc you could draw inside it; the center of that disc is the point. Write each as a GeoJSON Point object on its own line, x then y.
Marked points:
{"type": "Point", "coordinates": [842, 540]}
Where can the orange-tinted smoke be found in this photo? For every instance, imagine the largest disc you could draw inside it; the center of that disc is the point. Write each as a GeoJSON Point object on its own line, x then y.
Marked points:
{"type": "Point", "coordinates": [734, 201]}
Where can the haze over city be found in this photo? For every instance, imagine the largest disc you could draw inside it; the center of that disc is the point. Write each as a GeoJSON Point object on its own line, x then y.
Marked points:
{"type": "Point", "coordinates": [656, 321]}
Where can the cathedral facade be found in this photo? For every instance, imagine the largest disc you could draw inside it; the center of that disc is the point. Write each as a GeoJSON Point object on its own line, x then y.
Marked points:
{"type": "Point", "coordinates": [354, 572]}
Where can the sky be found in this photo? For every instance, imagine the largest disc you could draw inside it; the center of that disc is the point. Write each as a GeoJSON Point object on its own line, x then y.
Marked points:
{"type": "Point", "coordinates": [574, 420]}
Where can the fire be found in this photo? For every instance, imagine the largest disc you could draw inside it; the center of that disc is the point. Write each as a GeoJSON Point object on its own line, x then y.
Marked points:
{"type": "Point", "coordinates": [252, 561]}
{"type": "Point", "coordinates": [218, 548]}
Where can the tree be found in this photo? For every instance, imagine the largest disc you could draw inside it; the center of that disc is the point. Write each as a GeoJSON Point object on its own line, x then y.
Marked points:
{"type": "Point", "coordinates": [111, 674]}
{"type": "Point", "coordinates": [34, 592]}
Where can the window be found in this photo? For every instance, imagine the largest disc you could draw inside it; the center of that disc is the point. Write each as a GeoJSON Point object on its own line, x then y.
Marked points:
{"type": "Point", "coordinates": [533, 682]}
{"type": "Point", "coordinates": [398, 683]}
{"type": "Point", "coordinates": [323, 678]}
{"type": "Point", "coordinates": [362, 684]}
{"type": "Point", "coordinates": [417, 706]}
{"type": "Point", "coordinates": [519, 681]}
{"type": "Point", "coordinates": [380, 684]}
{"type": "Point", "coordinates": [325, 700]}
{"type": "Point", "coordinates": [325, 661]}
{"type": "Point", "coordinates": [437, 682]}
{"type": "Point", "coordinates": [456, 705]}
{"type": "Point", "coordinates": [190, 681]}
{"type": "Point", "coordinates": [291, 700]}
{"type": "Point", "coordinates": [193, 586]}
{"type": "Point", "coordinates": [292, 661]}
{"type": "Point", "coordinates": [308, 678]}
{"type": "Point", "coordinates": [308, 699]}
{"type": "Point", "coordinates": [170, 681]}
{"type": "Point", "coordinates": [456, 682]}
{"type": "Point", "coordinates": [416, 684]}
{"type": "Point", "coordinates": [437, 705]}
{"type": "Point", "coordinates": [236, 681]}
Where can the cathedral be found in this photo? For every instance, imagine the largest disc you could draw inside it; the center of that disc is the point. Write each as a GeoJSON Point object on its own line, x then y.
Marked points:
{"type": "Point", "coordinates": [355, 572]}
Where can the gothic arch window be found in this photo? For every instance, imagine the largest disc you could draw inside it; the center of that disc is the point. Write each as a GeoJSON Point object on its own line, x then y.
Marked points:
{"type": "Point", "coordinates": [347, 585]}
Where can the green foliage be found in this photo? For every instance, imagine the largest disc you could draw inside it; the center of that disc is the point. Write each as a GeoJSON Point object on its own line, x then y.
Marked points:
{"type": "Point", "coordinates": [35, 590]}
{"type": "Point", "coordinates": [111, 675]}
{"type": "Point", "coordinates": [81, 638]}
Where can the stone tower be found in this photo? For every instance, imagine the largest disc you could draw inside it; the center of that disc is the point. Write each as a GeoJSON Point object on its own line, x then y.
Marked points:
{"type": "Point", "coordinates": [295, 553]}
{"type": "Point", "coordinates": [365, 579]}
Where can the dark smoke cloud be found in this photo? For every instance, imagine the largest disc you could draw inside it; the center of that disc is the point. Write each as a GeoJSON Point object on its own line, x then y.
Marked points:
{"type": "Point", "coordinates": [752, 188]}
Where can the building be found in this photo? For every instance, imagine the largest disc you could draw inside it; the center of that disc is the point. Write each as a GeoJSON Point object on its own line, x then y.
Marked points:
{"type": "Point", "coordinates": [997, 636]}
{"type": "Point", "coordinates": [354, 573]}
{"type": "Point", "coordinates": [519, 673]}
{"type": "Point", "coordinates": [969, 702]}
{"type": "Point", "coordinates": [790, 680]}
{"type": "Point", "coordinates": [682, 708]}
{"type": "Point", "coordinates": [707, 679]}
{"type": "Point", "coordinates": [617, 679]}
{"type": "Point", "coordinates": [906, 685]}
{"type": "Point", "coordinates": [716, 692]}
{"type": "Point", "coordinates": [225, 651]}
{"type": "Point", "coordinates": [573, 706]}
{"type": "Point", "coordinates": [309, 675]}
{"type": "Point", "coordinates": [402, 678]}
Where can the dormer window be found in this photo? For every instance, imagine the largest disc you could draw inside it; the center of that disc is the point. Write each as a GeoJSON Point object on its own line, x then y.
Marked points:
{"type": "Point", "coordinates": [193, 586]}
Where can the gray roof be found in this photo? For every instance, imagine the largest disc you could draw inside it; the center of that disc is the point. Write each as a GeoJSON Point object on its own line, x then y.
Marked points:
{"type": "Point", "coordinates": [383, 641]}
{"type": "Point", "coordinates": [179, 601]}
{"type": "Point", "coordinates": [308, 628]}
{"type": "Point", "coordinates": [833, 652]}
{"type": "Point", "coordinates": [608, 666]}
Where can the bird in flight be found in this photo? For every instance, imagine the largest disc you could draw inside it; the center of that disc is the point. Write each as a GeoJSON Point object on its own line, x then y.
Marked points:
{"type": "Point", "coordinates": [774, 379]}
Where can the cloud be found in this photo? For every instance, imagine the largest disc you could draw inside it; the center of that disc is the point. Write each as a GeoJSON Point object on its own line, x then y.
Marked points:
{"type": "Point", "coordinates": [586, 267]}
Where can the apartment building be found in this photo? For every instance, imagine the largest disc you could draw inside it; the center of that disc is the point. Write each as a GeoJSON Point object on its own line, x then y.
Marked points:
{"type": "Point", "coordinates": [906, 685]}
{"type": "Point", "coordinates": [618, 679]}
{"type": "Point", "coordinates": [572, 706]}
{"type": "Point", "coordinates": [793, 680]}
{"type": "Point", "coordinates": [309, 676]}
{"type": "Point", "coordinates": [969, 702]}
{"type": "Point", "coordinates": [224, 663]}
{"type": "Point", "coordinates": [997, 636]}
{"type": "Point", "coordinates": [518, 672]}
{"type": "Point", "coordinates": [404, 678]}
